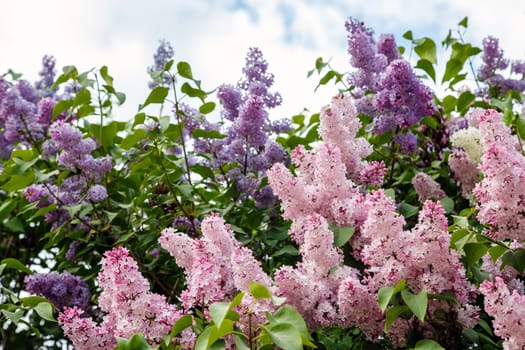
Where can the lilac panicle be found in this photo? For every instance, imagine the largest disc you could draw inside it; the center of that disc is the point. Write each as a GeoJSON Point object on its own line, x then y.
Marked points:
{"type": "Point", "coordinates": [163, 54]}
{"type": "Point", "coordinates": [62, 289]}
{"type": "Point", "coordinates": [47, 76]}
{"type": "Point", "coordinates": [403, 98]}
{"type": "Point", "coordinates": [248, 141]}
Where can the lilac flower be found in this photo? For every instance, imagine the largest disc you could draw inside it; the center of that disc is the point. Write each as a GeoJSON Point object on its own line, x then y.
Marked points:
{"type": "Point", "coordinates": [492, 57]}
{"type": "Point", "coordinates": [402, 97]}
{"type": "Point", "coordinates": [47, 76]}
{"type": "Point", "coordinates": [97, 193]}
{"type": "Point", "coordinates": [62, 289]}
{"type": "Point", "coordinates": [407, 142]}
{"type": "Point", "coordinates": [364, 56]}
{"type": "Point", "coordinates": [231, 100]}
{"type": "Point", "coordinates": [163, 54]}
{"type": "Point", "coordinates": [247, 143]}
{"type": "Point", "coordinates": [72, 250]}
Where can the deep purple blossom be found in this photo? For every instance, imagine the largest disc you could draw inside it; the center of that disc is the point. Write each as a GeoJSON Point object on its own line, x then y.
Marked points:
{"type": "Point", "coordinates": [62, 289]}
{"type": "Point", "coordinates": [403, 98]}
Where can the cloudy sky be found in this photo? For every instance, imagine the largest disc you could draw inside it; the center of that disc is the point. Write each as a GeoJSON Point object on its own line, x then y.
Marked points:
{"type": "Point", "coordinates": [214, 36]}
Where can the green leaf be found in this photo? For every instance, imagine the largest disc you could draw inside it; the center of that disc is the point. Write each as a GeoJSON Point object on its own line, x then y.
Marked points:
{"type": "Point", "coordinates": [139, 119]}
{"type": "Point", "coordinates": [473, 252]}
{"type": "Point", "coordinates": [208, 336]}
{"type": "Point", "coordinates": [514, 258]}
{"type": "Point", "coordinates": [45, 310]}
{"type": "Point", "coordinates": [448, 204]}
{"type": "Point", "coordinates": [428, 344]}
{"type": "Point", "coordinates": [284, 335]}
{"type": "Point", "coordinates": [33, 300]}
{"type": "Point", "coordinates": [453, 67]}
{"type": "Point", "coordinates": [15, 225]}
{"type": "Point", "coordinates": [60, 107]}
{"type": "Point", "coordinates": [520, 127]}
{"type": "Point", "coordinates": [259, 291]}
{"type": "Point", "coordinates": [430, 122]}
{"type": "Point", "coordinates": [390, 192]}
{"type": "Point", "coordinates": [447, 296]}
{"type": "Point", "coordinates": [219, 311]}
{"type": "Point", "coordinates": [136, 342]}
{"type": "Point", "coordinates": [287, 249]}
{"type": "Point", "coordinates": [105, 75]}
{"type": "Point", "coordinates": [449, 103]}
{"type": "Point", "coordinates": [408, 35]}
{"type": "Point", "coordinates": [385, 294]}
{"type": "Point", "coordinates": [240, 344]}
{"type": "Point", "coordinates": [288, 314]}
{"type": "Point", "coordinates": [157, 95]}
{"type": "Point", "coordinates": [12, 263]}
{"type": "Point", "coordinates": [207, 107]}
{"type": "Point", "coordinates": [82, 97]}
{"type": "Point", "coordinates": [416, 302]}
{"type": "Point", "coordinates": [13, 316]}
{"type": "Point", "coordinates": [207, 134]}
{"type": "Point", "coordinates": [408, 210]}
{"type": "Point", "coordinates": [427, 67]}
{"type": "Point", "coordinates": [184, 70]}
{"type": "Point", "coordinates": [464, 101]}
{"type": "Point", "coordinates": [6, 209]}
{"type": "Point", "coordinates": [496, 251]}
{"type": "Point", "coordinates": [182, 323]}
{"type": "Point", "coordinates": [393, 313]}
{"type": "Point", "coordinates": [464, 22]}
{"type": "Point", "coordinates": [426, 49]}
{"type": "Point", "coordinates": [193, 92]}
{"type": "Point", "coordinates": [343, 235]}
{"type": "Point", "coordinates": [132, 139]}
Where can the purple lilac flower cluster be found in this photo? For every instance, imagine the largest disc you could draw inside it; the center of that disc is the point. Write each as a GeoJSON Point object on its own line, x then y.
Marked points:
{"type": "Point", "coordinates": [26, 110]}
{"type": "Point", "coordinates": [248, 142]}
{"type": "Point", "coordinates": [62, 289]}
{"type": "Point", "coordinates": [385, 86]}
{"type": "Point", "coordinates": [490, 71]}
{"type": "Point", "coordinates": [73, 153]}
{"type": "Point", "coordinates": [163, 54]}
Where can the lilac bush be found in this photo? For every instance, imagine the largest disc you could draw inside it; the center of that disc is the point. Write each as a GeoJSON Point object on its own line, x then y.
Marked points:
{"type": "Point", "coordinates": [391, 219]}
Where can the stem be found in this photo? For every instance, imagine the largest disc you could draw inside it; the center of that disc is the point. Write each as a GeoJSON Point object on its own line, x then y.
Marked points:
{"type": "Point", "coordinates": [470, 62]}
{"type": "Point", "coordinates": [170, 185]}
{"type": "Point", "coordinates": [394, 148]}
{"type": "Point", "coordinates": [250, 341]}
{"type": "Point", "coordinates": [179, 122]}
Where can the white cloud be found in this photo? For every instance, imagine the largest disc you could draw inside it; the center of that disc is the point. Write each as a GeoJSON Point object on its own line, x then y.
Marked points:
{"type": "Point", "coordinates": [214, 36]}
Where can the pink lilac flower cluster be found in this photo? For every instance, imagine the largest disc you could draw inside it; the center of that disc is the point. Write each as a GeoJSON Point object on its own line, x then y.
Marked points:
{"type": "Point", "coordinates": [339, 125]}
{"type": "Point", "coordinates": [508, 310]}
{"type": "Point", "coordinates": [73, 153]}
{"type": "Point", "coordinates": [427, 188]}
{"type": "Point", "coordinates": [501, 192]}
{"type": "Point", "coordinates": [129, 306]}
{"type": "Point", "coordinates": [465, 171]}
{"type": "Point", "coordinates": [216, 266]}
{"type": "Point", "coordinates": [322, 190]}
{"type": "Point", "coordinates": [313, 285]}
{"type": "Point", "coordinates": [328, 176]}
